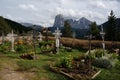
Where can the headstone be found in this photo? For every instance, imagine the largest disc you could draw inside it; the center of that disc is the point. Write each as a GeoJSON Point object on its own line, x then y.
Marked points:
{"type": "Point", "coordinates": [40, 36]}
{"type": "Point", "coordinates": [12, 41]}
{"type": "Point", "coordinates": [102, 33]}
{"type": "Point", "coordinates": [57, 34]}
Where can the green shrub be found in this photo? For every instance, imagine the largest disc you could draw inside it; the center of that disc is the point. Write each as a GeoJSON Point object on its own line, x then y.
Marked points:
{"type": "Point", "coordinates": [117, 66]}
{"type": "Point", "coordinates": [64, 62]}
{"type": "Point", "coordinates": [99, 53]}
{"type": "Point", "coordinates": [76, 58]}
{"type": "Point", "coordinates": [5, 48]}
{"type": "Point", "coordinates": [113, 56]}
{"type": "Point", "coordinates": [44, 43]}
{"type": "Point", "coordinates": [21, 48]}
{"type": "Point", "coordinates": [118, 58]}
{"type": "Point", "coordinates": [102, 63]}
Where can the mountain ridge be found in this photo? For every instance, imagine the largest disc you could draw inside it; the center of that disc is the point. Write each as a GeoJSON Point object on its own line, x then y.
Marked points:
{"type": "Point", "coordinates": [82, 23]}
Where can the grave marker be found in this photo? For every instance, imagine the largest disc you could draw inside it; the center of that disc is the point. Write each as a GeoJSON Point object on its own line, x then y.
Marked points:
{"type": "Point", "coordinates": [102, 33]}
{"type": "Point", "coordinates": [12, 41]}
{"type": "Point", "coordinates": [57, 34]}
{"type": "Point", "coordinates": [40, 36]}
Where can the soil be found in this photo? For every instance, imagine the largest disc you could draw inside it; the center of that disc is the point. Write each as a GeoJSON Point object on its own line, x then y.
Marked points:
{"type": "Point", "coordinates": [8, 74]}
{"type": "Point", "coordinates": [8, 71]}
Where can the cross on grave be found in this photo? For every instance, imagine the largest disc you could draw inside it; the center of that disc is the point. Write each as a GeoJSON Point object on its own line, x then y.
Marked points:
{"type": "Point", "coordinates": [12, 41]}
{"type": "Point", "coordinates": [89, 37]}
{"type": "Point", "coordinates": [40, 36]}
{"type": "Point", "coordinates": [90, 64]}
{"type": "Point", "coordinates": [57, 34]}
{"type": "Point", "coordinates": [102, 33]}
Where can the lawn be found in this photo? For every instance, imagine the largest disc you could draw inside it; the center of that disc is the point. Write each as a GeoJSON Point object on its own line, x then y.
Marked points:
{"type": "Point", "coordinates": [39, 68]}
{"type": "Point", "coordinates": [12, 67]}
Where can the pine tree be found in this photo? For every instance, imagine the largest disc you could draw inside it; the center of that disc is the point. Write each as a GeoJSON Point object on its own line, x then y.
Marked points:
{"type": "Point", "coordinates": [111, 28]}
{"type": "Point", "coordinates": [94, 29]}
{"type": "Point", "coordinates": [67, 30]}
{"type": "Point", "coordinates": [4, 27]}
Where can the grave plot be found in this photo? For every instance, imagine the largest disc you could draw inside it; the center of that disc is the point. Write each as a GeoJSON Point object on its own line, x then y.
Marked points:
{"type": "Point", "coordinates": [77, 68]}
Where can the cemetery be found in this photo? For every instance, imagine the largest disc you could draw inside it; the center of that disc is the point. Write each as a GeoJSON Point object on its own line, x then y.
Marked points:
{"type": "Point", "coordinates": [58, 58]}
{"type": "Point", "coordinates": [59, 40]}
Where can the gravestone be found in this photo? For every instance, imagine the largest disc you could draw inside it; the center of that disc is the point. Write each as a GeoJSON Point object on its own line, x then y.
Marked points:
{"type": "Point", "coordinates": [40, 37]}
{"type": "Point", "coordinates": [12, 41]}
{"type": "Point", "coordinates": [57, 34]}
{"type": "Point", "coordinates": [102, 33]}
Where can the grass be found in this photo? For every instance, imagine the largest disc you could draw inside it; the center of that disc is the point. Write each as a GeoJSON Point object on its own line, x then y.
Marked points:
{"type": "Point", "coordinates": [110, 74]}
{"type": "Point", "coordinates": [40, 67]}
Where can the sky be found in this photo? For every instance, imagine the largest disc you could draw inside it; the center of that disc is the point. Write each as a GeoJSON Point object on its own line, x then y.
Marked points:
{"type": "Point", "coordinates": [43, 12]}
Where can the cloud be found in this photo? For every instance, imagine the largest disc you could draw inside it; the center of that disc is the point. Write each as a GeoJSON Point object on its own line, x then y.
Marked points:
{"type": "Point", "coordinates": [98, 4]}
{"type": "Point", "coordinates": [27, 7]}
{"type": "Point", "coordinates": [43, 12]}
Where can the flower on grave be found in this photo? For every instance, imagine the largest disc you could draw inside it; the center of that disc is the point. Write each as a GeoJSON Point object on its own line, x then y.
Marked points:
{"type": "Point", "coordinates": [15, 43]}
{"type": "Point", "coordinates": [20, 41]}
{"type": "Point", "coordinates": [31, 52]}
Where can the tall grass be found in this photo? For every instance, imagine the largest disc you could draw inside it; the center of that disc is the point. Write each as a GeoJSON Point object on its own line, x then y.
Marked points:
{"type": "Point", "coordinates": [78, 43]}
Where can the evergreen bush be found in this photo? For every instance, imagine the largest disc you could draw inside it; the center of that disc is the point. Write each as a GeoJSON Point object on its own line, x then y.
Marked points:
{"type": "Point", "coordinates": [102, 63]}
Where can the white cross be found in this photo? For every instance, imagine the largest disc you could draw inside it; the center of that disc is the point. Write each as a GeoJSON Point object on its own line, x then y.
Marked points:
{"type": "Point", "coordinates": [102, 33]}
{"type": "Point", "coordinates": [12, 41]}
{"type": "Point", "coordinates": [57, 34]}
{"type": "Point", "coordinates": [40, 36]}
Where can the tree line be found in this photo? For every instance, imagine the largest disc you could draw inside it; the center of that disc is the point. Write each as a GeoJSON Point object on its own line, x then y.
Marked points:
{"type": "Point", "coordinates": [7, 25]}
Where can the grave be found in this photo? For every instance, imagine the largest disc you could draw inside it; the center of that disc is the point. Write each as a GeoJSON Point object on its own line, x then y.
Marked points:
{"type": "Point", "coordinates": [40, 37]}
{"type": "Point", "coordinates": [12, 42]}
{"type": "Point", "coordinates": [102, 33]}
{"type": "Point", "coordinates": [57, 34]}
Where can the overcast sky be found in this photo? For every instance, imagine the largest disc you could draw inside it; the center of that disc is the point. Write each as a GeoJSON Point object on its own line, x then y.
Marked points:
{"type": "Point", "coordinates": [43, 12]}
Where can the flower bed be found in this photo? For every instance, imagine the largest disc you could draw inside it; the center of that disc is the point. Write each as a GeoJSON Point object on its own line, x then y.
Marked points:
{"type": "Point", "coordinates": [77, 68]}
{"type": "Point", "coordinates": [75, 74]}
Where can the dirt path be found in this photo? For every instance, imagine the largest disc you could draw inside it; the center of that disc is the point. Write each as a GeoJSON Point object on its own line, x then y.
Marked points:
{"type": "Point", "coordinates": [12, 75]}
{"type": "Point", "coordinates": [8, 71]}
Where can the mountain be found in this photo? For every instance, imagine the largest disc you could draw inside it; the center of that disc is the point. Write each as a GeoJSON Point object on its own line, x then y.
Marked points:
{"type": "Point", "coordinates": [59, 21]}
{"type": "Point", "coordinates": [80, 27]}
{"type": "Point", "coordinates": [27, 24]}
{"type": "Point", "coordinates": [82, 23]}
{"type": "Point", "coordinates": [33, 26]}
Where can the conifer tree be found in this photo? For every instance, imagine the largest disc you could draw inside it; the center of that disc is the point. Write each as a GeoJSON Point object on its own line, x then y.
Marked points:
{"type": "Point", "coordinates": [67, 30]}
{"type": "Point", "coordinates": [94, 29]}
{"type": "Point", "coordinates": [4, 27]}
{"type": "Point", "coordinates": [111, 28]}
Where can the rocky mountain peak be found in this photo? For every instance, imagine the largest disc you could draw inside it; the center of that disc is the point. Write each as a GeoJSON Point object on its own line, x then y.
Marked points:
{"type": "Point", "coordinates": [82, 23]}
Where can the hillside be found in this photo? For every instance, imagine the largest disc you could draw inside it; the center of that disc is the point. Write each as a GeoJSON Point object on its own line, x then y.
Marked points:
{"type": "Point", "coordinates": [4, 28]}
{"type": "Point", "coordinates": [17, 27]}
{"type": "Point", "coordinates": [6, 25]}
